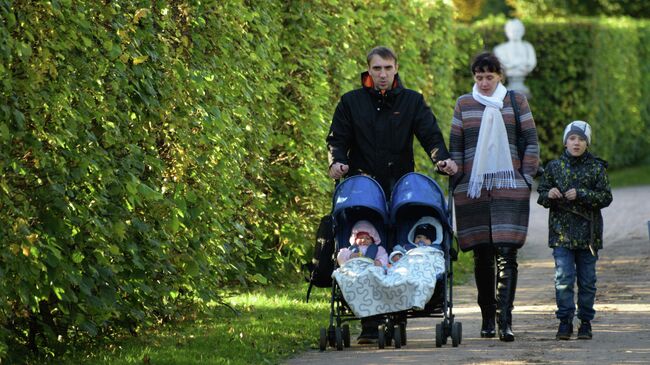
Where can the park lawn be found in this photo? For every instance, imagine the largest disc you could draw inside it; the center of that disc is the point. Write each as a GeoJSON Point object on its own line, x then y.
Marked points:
{"type": "Point", "coordinates": [631, 176]}
{"type": "Point", "coordinates": [273, 324]}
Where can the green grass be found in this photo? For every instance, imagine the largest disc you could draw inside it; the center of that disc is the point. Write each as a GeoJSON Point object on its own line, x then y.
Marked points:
{"type": "Point", "coordinates": [272, 325]}
{"type": "Point", "coordinates": [630, 176]}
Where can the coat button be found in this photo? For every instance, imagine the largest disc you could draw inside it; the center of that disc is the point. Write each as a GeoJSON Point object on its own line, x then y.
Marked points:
{"type": "Point", "coordinates": [378, 108]}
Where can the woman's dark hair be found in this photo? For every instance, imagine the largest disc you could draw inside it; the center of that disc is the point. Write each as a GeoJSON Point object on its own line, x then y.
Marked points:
{"type": "Point", "coordinates": [383, 52]}
{"type": "Point", "coordinates": [486, 62]}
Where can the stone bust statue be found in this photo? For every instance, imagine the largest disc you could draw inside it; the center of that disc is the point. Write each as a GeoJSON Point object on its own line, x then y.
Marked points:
{"type": "Point", "coordinates": [516, 56]}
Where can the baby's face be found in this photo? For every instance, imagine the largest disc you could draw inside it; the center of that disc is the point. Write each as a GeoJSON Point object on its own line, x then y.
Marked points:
{"type": "Point", "coordinates": [363, 240]}
{"type": "Point", "coordinates": [422, 238]}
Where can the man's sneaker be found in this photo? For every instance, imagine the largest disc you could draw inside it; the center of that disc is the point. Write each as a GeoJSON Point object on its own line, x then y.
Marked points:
{"type": "Point", "coordinates": [584, 332]}
{"type": "Point", "coordinates": [565, 330]}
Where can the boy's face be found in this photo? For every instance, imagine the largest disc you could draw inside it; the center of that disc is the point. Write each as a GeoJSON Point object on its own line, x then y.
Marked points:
{"type": "Point", "coordinates": [422, 238]}
{"type": "Point", "coordinates": [363, 239]}
{"type": "Point", "coordinates": [576, 145]}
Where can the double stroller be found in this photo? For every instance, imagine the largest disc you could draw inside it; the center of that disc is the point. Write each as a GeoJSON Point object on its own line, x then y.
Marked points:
{"type": "Point", "coordinates": [414, 196]}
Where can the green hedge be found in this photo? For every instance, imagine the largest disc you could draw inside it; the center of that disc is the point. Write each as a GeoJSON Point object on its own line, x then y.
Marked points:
{"type": "Point", "coordinates": [155, 154]}
{"type": "Point", "coordinates": [590, 69]}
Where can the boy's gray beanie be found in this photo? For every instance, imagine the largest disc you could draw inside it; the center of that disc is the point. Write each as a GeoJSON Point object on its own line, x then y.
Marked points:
{"type": "Point", "coordinates": [579, 127]}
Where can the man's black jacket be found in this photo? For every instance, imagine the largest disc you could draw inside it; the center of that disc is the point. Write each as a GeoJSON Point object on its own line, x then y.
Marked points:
{"type": "Point", "coordinates": [373, 132]}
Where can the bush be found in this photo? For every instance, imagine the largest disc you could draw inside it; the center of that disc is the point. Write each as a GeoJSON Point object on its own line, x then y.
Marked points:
{"type": "Point", "coordinates": [588, 69]}
{"type": "Point", "coordinates": [153, 156]}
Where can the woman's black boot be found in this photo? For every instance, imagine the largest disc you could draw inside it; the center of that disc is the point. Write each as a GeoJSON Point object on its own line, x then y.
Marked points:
{"type": "Point", "coordinates": [484, 276]}
{"type": "Point", "coordinates": [506, 287]}
{"type": "Point", "coordinates": [488, 329]}
{"type": "Point", "coordinates": [505, 327]}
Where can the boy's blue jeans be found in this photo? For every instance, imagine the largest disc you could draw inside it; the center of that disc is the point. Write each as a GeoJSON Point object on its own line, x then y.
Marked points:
{"type": "Point", "coordinates": [569, 265]}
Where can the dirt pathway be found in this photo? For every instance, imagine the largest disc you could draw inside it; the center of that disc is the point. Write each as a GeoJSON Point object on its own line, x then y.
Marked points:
{"type": "Point", "coordinates": [621, 327]}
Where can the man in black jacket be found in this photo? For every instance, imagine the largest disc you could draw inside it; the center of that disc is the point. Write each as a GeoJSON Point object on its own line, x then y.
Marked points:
{"type": "Point", "coordinates": [373, 127]}
{"type": "Point", "coordinates": [372, 133]}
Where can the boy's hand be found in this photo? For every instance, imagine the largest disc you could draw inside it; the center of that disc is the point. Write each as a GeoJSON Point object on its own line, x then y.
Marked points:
{"type": "Point", "coordinates": [554, 194]}
{"type": "Point", "coordinates": [571, 194]}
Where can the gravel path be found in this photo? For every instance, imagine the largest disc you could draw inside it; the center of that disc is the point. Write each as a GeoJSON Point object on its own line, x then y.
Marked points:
{"type": "Point", "coordinates": [621, 327]}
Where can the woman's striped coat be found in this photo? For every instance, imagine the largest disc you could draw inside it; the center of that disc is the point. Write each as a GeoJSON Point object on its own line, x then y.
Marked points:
{"type": "Point", "coordinates": [499, 216]}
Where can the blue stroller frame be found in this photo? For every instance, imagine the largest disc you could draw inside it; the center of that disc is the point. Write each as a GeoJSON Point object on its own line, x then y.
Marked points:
{"type": "Point", "coordinates": [356, 198]}
{"type": "Point", "coordinates": [415, 196]}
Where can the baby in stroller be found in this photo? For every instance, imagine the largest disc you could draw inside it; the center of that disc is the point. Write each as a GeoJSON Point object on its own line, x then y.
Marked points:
{"type": "Point", "coordinates": [365, 242]}
{"type": "Point", "coordinates": [426, 232]}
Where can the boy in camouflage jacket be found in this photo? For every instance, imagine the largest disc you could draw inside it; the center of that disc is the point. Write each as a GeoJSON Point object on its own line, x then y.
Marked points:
{"type": "Point", "coordinates": [575, 188]}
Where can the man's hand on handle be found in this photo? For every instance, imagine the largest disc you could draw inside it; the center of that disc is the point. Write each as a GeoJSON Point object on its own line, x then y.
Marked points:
{"type": "Point", "coordinates": [447, 166]}
{"type": "Point", "coordinates": [338, 170]}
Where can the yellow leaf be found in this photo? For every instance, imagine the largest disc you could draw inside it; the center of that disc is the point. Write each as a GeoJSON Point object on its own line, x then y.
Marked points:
{"type": "Point", "coordinates": [14, 248]}
{"type": "Point", "coordinates": [32, 238]}
{"type": "Point", "coordinates": [140, 59]}
{"type": "Point", "coordinates": [141, 13]}
{"type": "Point", "coordinates": [26, 250]}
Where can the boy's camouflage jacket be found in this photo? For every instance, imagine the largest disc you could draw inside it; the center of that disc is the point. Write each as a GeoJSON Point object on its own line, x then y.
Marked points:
{"type": "Point", "coordinates": [574, 224]}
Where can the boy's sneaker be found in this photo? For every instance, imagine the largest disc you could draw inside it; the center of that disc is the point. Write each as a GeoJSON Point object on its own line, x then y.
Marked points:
{"type": "Point", "coordinates": [565, 330]}
{"type": "Point", "coordinates": [584, 332]}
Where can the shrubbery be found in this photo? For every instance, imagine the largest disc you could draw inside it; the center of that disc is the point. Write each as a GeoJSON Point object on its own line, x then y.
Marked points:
{"type": "Point", "coordinates": [152, 156]}
{"type": "Point", "coordinates": [589, 69]}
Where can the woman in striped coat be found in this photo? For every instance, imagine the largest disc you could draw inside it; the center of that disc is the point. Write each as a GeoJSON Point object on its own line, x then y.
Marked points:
{"type": "Point", "coordinates": [492, 188]}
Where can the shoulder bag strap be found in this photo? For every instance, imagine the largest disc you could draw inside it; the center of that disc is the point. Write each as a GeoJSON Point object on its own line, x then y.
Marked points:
{"type": "Point", "coordinates": [519, 138]}
{"type": "Point", "coordinates": [515, 108]}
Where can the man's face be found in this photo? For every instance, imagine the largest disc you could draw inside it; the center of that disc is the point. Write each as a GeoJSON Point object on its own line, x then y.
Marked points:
{"type": "Point", "coordinates": [382, 72]}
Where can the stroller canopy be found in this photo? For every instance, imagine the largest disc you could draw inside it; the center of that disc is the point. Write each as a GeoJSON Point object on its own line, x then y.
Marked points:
{"type": "Point", "coordinates": [415, 189]}
{"type": "Point", "coordinates": [360, 191]}
{"type": "Point", "coordinates": [416, 196]}
{"type": "Point", "coordinates": [356, 198]}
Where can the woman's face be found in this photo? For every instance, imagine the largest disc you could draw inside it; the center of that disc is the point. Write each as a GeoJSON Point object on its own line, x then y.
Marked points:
{"type": "Point", "coordinates": [487, 82]}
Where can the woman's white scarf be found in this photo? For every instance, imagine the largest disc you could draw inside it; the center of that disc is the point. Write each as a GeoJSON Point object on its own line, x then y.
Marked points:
{"type": "Point", "coordinates": [492, 165]}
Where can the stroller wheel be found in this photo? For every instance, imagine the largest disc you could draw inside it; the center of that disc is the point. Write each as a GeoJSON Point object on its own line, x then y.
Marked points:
{"type": "Point", "coordinates": [381, 336]}
{"type": "Point", "coordinates": [346, 335]}
{"type": "Point", "coordinates": [331, 336]}
{"type": "Point", "coordinates": [339, 339]}
{"type": "Point", "coordinates": [322, 343]}
{"type": "Point", "coordinates": [446, 331]}
{"type": "Point", "coordinates": [398, 337]}
{"type": "Point", "coordinates": [439, 335]}
{"type": "Point", "coordinates": [456, 333]}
